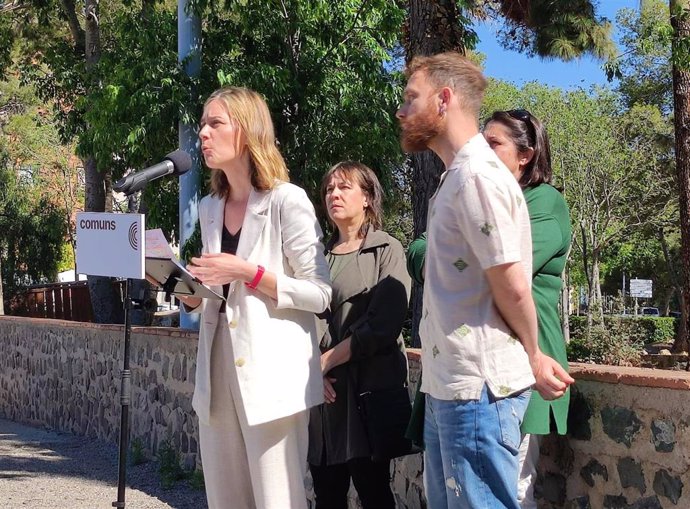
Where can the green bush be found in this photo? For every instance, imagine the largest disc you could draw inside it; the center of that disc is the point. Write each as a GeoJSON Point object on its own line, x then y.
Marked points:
{"type": "Point", "coordinates": [196, 480]}
{"type": "Point", "coordinates": [604, 344]}
{"type": "Point", "coordinates": [171, 471]}
{"type": "Point", "coordinates": [169, 466]}
{"type": "Point", "coordinates": [137, 454]}
{"type": "Point", "coordinates": [646, 329]}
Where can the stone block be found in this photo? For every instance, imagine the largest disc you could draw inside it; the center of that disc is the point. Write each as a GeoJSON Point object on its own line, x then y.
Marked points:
{"type": "Point", "coordinates": [189, 462]}
{"type": "Point", "coordinates": [667, 485]}
{"type": "Point", "coordinates": [578, 503]}
{"type": "Point", "coordinates": [631, 475]}
{"type": "Point", "coordinates": [553, 489]}
{"type": "Point", "coordinates": [153, 394]}
{"type": "Point", "coordinates": [663, 435]}
{"type": "Point", "coordinates": [158, 416]}
{"type": "Point", "coordinates": [163, 394]}
{"type": "Point", "coordinates": [184, 443]}
{"type": "Point", "coordinates": [414, 498]}
{"type": "Point", "coordinates": [615, 502]}
{"type": "Point", "coordinates": [166, 366]}
{"type": "Point", "coordinates": [620, 424]}
{"type": "Point", "coordinates": [177, 368]}
{"type": "Point", "coordinates": [647, 503]}
{"type": "Point", "coordinates": [592, 468]}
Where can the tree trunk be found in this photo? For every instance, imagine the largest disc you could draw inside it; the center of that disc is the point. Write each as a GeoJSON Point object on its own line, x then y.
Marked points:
{"type": "Point", "coordinates": [105, 301]}
{"type": "Point", "coordinates": [681, 95]}
{"type": "Point", "coordinates": [595, 310]}
{"type": "Point", "coordinates": [2, 294]}
{"type": "Point", "coordinates": [675, 278]}
{"type": "Point", "coordinates": [565, 305]}
{"type": "Point", "coordinates": [433, 26]}
{"type": "Point", "coordinates": [70, 12]}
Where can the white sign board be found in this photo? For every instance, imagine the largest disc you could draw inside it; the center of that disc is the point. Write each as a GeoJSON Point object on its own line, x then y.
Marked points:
{"type": "Point", "coordinates": [641, 288]}
{"type": "Point", "coordinates": [110, 244]}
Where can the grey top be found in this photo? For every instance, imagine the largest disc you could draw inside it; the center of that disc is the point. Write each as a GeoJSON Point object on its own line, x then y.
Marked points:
{"type": "Point", "coordinates": [369, 304]}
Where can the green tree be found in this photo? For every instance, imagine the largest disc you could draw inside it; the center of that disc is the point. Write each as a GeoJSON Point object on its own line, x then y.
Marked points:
{"type": "Point", "coordinates": [33, 233]}
{"type": "Point", "coordinates": [643, 68]}
{"type": "Point", "coordinates": [36, 207]}
{"type": "Point", "coordinates": [603, 159]}
{"type": "Point", "coordinates": [118, 90]}
{"type": "Point", "coordinates": [651, 49]}
{"type": "Point", "coordinates": [680, 58]}
{"type": "Point", "coordinates": [562, 29]}
{"type": "Point", "coordinates": [322, 67]}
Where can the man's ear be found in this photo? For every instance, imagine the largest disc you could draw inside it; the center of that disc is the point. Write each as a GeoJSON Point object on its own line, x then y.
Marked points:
{"type": "Point", "coordinates": [444, 97]}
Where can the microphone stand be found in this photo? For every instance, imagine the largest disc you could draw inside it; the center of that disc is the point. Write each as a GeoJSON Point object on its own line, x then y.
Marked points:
{"type": "Point", "coordinates": [175, 163]}
{"type": "Point", "coordinates": [129, 303]}
{"type": "Point", "coordinates": [125, 399]}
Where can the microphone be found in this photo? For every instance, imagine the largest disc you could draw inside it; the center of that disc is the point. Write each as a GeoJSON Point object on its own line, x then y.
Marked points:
{"type": "Point", "coordinates": [175, 163]}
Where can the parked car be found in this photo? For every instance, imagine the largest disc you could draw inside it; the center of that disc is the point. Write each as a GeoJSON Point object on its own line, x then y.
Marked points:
{"type": "Point", "coordinates": [648, 311]}
{"type": "Point", "coordinates": [674, 314]}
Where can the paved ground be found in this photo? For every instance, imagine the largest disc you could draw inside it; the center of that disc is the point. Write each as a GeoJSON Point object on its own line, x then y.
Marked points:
{"type": "Point", "coordinates": [42, 469]}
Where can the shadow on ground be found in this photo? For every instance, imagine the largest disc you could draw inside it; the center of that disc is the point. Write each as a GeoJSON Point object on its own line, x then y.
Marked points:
{"type": "Point", "coordinates": [36, 463]}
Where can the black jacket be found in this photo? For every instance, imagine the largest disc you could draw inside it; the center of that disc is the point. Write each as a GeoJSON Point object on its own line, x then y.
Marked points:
{"type": "Point", "coordinates": [370, 302]}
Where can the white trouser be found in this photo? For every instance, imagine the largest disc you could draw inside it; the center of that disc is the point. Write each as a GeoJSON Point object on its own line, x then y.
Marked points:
{"type": "Point", "coordinates": [528, 459]}
{"type": "Point", "coordinates": [247, 467]}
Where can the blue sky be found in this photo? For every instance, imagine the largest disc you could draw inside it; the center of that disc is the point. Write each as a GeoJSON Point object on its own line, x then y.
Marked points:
{"type": "Point", "coordinates": [520, 69]}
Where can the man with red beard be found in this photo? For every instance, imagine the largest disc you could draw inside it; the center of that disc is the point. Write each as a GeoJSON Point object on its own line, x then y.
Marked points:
{"type": "Point", "coordinates": [480, 355]}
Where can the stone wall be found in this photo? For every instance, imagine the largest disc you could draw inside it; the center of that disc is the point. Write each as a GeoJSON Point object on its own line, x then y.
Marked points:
{"type": "Point", "coordinates": [628, 446]}
{"type": "Point", "coordinates": [66, 375]}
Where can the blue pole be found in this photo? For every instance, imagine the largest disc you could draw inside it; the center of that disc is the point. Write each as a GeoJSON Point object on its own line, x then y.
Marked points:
{"type": "Point", "coordinates": [189, 45]}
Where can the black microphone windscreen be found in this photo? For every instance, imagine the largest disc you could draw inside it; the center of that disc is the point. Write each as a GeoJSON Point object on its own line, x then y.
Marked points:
{"type": "Point", "coordinates": [181, 161]}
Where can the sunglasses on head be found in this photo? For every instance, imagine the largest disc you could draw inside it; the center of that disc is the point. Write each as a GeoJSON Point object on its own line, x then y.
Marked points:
{"type": "Point", "coordinates": [525, 117]}
{"type": "Point", "coordinates": [522, 115]}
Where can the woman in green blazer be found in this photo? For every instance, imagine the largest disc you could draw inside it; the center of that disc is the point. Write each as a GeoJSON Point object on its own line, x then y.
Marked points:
{"type": "Point", "coordinates": [520, 141]}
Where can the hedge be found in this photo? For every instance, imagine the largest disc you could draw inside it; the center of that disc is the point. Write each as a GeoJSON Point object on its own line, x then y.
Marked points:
{"type": "Point", "coordinates": [646, 329]}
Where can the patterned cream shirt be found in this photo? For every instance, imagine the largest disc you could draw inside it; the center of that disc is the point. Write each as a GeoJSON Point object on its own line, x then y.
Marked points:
{"type": "Point", "coordinates": [478, 219]}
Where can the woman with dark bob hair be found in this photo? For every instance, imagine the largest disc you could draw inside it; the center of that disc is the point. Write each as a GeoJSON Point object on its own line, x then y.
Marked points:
{"type": "Point", "coordinates": [363, 349]}
{"type": "Point", "coordinates": [520, 141]}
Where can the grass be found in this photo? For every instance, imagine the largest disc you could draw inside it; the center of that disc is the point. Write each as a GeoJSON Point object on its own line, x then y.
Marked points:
{"type": "Point", "coordinates": [171, 470]}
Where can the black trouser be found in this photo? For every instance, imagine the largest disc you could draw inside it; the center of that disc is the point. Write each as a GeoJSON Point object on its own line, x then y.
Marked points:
{"type": "Point", "coordinates": [372, 481]}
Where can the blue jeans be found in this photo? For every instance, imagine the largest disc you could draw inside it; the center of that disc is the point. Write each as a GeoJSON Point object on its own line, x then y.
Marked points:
{"type": "Point", "coordinates": [471, 451]}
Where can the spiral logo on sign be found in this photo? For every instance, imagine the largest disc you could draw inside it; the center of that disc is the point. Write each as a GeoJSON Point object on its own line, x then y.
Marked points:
{"type": "Point", "coordinates": [134, 236]}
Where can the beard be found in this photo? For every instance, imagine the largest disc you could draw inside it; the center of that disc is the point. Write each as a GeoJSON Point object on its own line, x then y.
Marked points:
{"type": "Point", "coordinates": [419, 131]}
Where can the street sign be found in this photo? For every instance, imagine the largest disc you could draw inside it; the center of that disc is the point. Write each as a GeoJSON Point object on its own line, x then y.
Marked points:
{"type": "Point", "coordinates": [641, 288]}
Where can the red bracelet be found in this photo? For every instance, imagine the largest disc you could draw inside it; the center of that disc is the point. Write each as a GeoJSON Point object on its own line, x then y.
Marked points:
{"type": "Point", "coordinates": [257, 278]}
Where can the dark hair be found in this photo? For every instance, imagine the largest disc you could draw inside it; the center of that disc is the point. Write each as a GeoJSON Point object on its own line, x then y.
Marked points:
{"type": "Point", "coordinates": [371, 187]}
{"type": "Point", "coordinates": [526, 131]}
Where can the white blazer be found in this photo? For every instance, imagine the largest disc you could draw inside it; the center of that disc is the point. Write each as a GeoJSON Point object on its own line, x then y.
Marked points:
{"type": "Point", "coordinates": [274, 342]}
